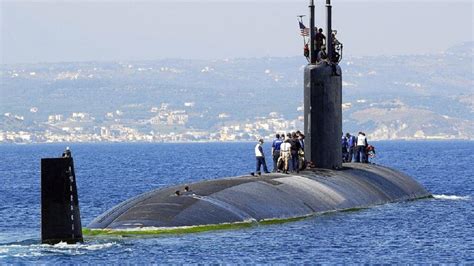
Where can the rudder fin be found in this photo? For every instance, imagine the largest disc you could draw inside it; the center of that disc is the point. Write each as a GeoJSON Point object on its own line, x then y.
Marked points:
{"type": "Point", "coordinates": [60, 215]}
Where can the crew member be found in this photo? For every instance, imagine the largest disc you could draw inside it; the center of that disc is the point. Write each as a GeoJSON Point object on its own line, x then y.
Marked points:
{"type": "Point", "coordinates": [320, 39]}
{"type": "Point", "coordinates": [361, 155]}
{"type": "Point", "coordinates": [295, 149]}
{"type": "Point", "coordinates": [306, 51]}
{"type": "Point", "coordinates": [351, 141]}
{"type": "Point", "coordinates": [66, 153]}
{"type": "Point", "coordinates": [300, 138]}
{"type": "Point", "coordinates": [276, 151]}
{"type": "Point", "coordinates": [260, 157]}
{"type": "Point", "coordinates": [301, 158]}
{"type": "Point", "coordinates": [345, 145]}
{"type": "Point", "coordinates": [335, 47]}
{"type": "Point", "coordinates": [370, 152]}
{"type": "Point", "coordinates": [285, 154]}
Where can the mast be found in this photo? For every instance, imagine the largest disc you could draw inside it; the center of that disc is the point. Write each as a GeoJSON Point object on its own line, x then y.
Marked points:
{"type": "Point", "coordinates": [329, 42]}
{"type": "Point", "coordinates": [312, 34]}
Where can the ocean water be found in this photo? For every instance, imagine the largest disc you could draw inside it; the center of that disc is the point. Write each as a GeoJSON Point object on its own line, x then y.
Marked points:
{"type": "Point", "coordinates": [438, 230]}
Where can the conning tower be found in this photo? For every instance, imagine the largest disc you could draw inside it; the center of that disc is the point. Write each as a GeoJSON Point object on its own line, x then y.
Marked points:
{"type": "Point", "coordinates": [323, 100]}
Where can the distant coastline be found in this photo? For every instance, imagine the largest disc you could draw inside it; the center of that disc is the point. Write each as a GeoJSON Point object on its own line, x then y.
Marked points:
{"type": "Point", "coordinates": [207, 142]}
{"type": "Point", "coordinates": [180, 100]}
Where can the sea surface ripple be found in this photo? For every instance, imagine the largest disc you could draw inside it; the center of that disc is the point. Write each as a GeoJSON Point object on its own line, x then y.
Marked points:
{"type": "Point", "coordinates": [438, 230]}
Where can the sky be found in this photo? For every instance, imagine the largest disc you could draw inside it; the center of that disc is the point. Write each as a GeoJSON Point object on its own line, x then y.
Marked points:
{"type": "Point", "coordinates": [65, 31]}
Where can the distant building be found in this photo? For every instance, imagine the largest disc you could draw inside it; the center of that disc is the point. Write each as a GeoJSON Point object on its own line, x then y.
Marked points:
{"type": "Point", "coordinates": [223, 115]}
{"type": "Point", "coordinates": [207, 69]}
{"type": "Point", "coordinates": [274, 114]}
{"type": "Point", "coordinates": [104, 132]}
{"type": "Point", "coordinates": [178, 117]}
{"type": "Point", "coordinates": [55, 118]}
{"type": "Point", "coordinates": [80, 116]}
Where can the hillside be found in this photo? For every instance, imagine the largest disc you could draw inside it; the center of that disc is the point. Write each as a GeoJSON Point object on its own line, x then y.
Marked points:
{"type": "Point", "coordinates": [395, 97]}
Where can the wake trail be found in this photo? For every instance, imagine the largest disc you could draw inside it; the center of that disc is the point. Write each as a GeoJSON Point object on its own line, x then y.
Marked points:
{"type": "Point", "coordinates": [451, 197]}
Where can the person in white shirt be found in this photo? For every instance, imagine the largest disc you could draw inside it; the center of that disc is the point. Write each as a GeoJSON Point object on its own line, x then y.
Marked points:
{"type": "Point", "coordinates": [285, 154]}
{"type": "Point", "coordinates": [260, 157]}
{"type": "Point", "coordinates": [361, 144]}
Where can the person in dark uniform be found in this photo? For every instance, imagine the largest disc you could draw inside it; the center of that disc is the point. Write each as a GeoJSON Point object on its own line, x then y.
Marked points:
{"type": "Point", "coordinates": [295, 148]}
{"type": "Point", "coordinates": [300, 138]}
{"type": "Point", "coordinates": [345, 146]}
{"type": "Point", "coordinates": [351, 141]}
{"type": "Point", "coordinates": [276, 151]}
{"type": "Point", "coordinates": [320, 39]}
{"type": "Point", "coordinates": [301, 158]}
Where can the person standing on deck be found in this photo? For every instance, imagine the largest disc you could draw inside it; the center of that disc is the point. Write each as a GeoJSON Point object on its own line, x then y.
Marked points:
{"type": "Point", "coordinates": [260, 157]}
{"type": "Point", "coordinates": [295, 148]}
{"type": "Point", "coordinates": [361, 155]}
{"type": "Point", "coordinates": [285, 153]}
{"type": "Point", "coordinates": [351, 143]}
{"type": "Point", "coordinates": [276, 151]}
{"type": "Point", "coordinates": [345, 148]}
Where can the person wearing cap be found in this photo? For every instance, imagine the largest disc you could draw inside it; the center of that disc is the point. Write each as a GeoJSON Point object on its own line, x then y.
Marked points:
{"type": "Point", "coordinates": [260, 157]}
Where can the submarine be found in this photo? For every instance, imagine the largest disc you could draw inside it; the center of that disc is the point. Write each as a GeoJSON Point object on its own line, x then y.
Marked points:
{"type": "Point", "coordinates": [329, 185]}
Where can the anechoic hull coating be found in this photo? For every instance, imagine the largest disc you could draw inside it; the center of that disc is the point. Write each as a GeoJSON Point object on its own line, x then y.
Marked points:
{"type": "Point", "coordinates": [272, 196]}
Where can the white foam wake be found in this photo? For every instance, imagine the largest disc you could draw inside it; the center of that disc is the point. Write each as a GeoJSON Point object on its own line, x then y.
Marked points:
{"type": "Point", "coordinates": [451, 197]}
{"type": "Point", "coordinates": [63, 245]}
{"type": "Point", "coordinates": [38, 250]}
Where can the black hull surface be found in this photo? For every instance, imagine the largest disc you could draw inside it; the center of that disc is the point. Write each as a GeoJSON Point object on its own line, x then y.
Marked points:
{"type": "Point", "coordinates": [267, 197]}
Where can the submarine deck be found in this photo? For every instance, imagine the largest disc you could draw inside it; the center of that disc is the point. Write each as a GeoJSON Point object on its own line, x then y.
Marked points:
{"type": "Point", "coordinates": [259, 198]}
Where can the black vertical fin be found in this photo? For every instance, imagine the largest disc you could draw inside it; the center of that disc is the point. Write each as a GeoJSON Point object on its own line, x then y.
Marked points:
{"type": "Point", "coordinates": [60, 215]}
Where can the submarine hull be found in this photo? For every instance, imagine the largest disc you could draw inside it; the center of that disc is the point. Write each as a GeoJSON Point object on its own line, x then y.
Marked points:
{"type": "Point", "coordinates": [266, 197]}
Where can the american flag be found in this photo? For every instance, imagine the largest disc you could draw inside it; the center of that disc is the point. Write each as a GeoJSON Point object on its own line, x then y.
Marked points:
{"type": "Point", "coordinates": [303, 29]}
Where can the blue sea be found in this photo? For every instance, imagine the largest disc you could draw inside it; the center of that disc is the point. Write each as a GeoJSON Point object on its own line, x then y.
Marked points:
{"type": "Point", "coordinates": [438, 230]}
